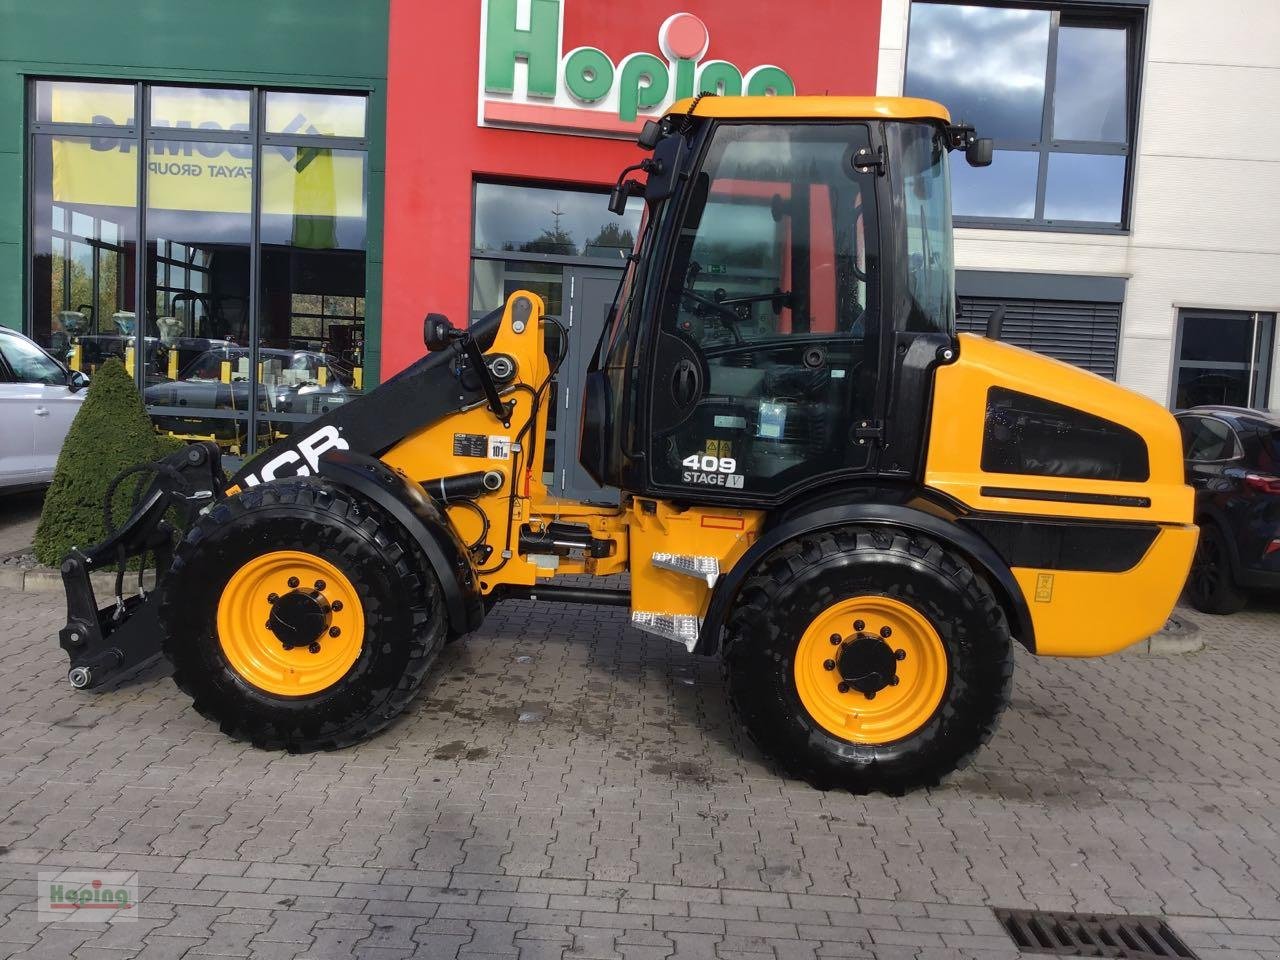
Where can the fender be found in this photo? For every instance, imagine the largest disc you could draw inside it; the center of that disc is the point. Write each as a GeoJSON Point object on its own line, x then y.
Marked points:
{"type": "Point", "coordinates": [976, 550]}
{"type": "Point", "coordinates": [414, 510]}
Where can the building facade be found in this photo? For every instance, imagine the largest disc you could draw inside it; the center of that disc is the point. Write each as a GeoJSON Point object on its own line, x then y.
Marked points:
{"type": "Point", "coordinates": [319, 175]}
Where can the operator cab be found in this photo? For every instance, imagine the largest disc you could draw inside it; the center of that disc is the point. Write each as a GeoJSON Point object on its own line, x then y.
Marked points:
{"type": "Point", "coordinates": [785, 255]}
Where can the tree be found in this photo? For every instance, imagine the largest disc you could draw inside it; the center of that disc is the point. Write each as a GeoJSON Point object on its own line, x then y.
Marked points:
{"type": "Point", "coordinates": [111, 432]}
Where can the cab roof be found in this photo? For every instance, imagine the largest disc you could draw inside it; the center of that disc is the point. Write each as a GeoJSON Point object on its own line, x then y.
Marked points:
{"type": "Point", "coordinates": [812, 108]}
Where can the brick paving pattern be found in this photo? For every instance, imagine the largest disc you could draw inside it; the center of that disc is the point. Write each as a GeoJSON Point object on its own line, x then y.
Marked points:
{"type": "Point", "coordinates": [568, 787]}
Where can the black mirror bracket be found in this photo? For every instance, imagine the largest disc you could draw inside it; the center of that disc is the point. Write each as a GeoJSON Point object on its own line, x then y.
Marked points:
{"type": "Point", "coordinates": [977, 150]}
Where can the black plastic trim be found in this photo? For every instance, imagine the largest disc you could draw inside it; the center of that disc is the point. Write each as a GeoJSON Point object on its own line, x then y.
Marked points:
{"type": "Point", "coordinates": [980, 553]}
{"type": "Point", "coordinates": [1066, 496]}
{"type": "Point", "coordinates": [1045, 544]}
{"type": "Point", "coordinates": [412, 509]}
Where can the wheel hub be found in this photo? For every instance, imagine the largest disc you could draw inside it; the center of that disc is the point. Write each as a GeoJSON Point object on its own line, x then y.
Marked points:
{"type": "Point", "coordinates": [867, 664]}
{"type": "Point", "coordinates": [300, 618]}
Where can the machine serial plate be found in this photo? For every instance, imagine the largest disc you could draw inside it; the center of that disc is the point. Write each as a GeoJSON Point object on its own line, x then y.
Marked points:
{"type": "Point", "coordinates": [470, 445]}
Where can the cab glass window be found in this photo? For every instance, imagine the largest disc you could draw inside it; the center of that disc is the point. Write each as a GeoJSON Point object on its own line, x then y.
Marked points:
{"type": "Point", "coordinates": [919, 166]}
{"type": "Point", "coordinates": [767, 341]}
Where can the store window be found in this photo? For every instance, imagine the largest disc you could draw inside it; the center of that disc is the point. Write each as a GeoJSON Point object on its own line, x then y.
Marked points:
{"type": "Point", "coordinates": [1224, 358]}
{"type": "Point", "coordinates": [251, 265]}
{"type": "Point", "coordinates": [1057, 91]}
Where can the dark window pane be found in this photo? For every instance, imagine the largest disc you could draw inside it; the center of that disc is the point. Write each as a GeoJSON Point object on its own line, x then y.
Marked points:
{"type": "Point", "coordinates": [1198, 387]}
{"type": "Point", "coordinates": [202, 108]}
{"type": "Point", "coordinates": [82, 290]}
{"type": "Point", "coordinates": [1007, 188]}
{"type": "Point", "coordinates": [315, 114]}
{"type": "Point", "coordinates": [1221, 338]}
{"type": "Point", "coordinates": [985, 64]}
{"type": "Point", "coordinates": [1036, 437]}
{"type": "Point", "coordinates": [1089, 101]}
{"type": "Point", "coordinates": [1083, 186]}
{"type": "Point", "coordinates": [77, 101]}
{"type": "Point", "coordinates": [571, 223]}
{"type": "Point", "coordinates": [1207, 439]}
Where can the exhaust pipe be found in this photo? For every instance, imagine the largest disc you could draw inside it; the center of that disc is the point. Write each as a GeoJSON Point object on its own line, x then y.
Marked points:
{"type": "Point", "coordinates": [465, 486]}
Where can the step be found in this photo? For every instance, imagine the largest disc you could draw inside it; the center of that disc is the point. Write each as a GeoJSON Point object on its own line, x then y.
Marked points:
{"type": "Point", "coordinates": [704, 568]}
{"type": "Point", "coordinates": [682, 627]}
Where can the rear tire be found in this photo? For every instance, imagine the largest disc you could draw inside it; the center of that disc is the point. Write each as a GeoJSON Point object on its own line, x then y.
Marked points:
{"type": "Point", "coordinates": [1211, 587]}
{"type": "Point", "coordinates": [393, 616]}
{"type": "Point", "coordinates": [940, 706]}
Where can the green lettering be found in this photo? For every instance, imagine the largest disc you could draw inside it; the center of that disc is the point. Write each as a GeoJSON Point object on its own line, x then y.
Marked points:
{"type": "Point", "coordinates": [773, 80]}
{"type": "Point", "coordinates": [588, 73]}
{"type": "Point", "coordinates": [684, 78]}
{"type": "Point", "coordinates": [539, 46]}
{"type": "Point", "coordinates": [720, 77]}
{"type": "Point", "coordinates": [643, 84]}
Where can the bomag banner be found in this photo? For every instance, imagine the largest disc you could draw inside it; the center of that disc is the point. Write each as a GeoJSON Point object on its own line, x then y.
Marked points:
{"type": "Point", "coordinates": [198, 176]}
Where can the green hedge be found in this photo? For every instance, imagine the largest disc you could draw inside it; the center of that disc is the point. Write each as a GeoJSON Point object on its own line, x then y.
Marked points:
{"type": "Point", "coordinates": [111, 432]}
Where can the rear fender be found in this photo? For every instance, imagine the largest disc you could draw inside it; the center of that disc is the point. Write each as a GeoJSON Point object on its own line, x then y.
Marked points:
{"type": "Point", "coordinates": [404, 500]}
{"type": "Point", "coordinates": [981, 556]}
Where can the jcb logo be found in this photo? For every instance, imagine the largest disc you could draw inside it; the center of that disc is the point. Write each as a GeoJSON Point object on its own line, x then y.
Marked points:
{"type": "Point", "coordinates": [308, 450]}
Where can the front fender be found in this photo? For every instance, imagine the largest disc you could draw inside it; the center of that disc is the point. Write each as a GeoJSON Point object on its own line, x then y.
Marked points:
{"type": "Point", "coordinates": [977, 551]}
{"type": "Point", "coordinates": [413, 509]}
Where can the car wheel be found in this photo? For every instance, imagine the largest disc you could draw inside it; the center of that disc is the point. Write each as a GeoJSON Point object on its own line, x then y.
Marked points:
{"type": "Point", "coordinates": [1211, 588]}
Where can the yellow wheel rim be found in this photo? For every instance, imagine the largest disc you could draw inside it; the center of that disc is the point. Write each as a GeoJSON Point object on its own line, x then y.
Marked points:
{"type": "Point", "coordinates": [856, 642]}
{"type": "Point", "coordinates": [258, 655]}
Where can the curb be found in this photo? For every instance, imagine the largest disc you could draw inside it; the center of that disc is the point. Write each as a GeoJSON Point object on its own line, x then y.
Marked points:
{"type": "Point", "coordinates": [46, 579]}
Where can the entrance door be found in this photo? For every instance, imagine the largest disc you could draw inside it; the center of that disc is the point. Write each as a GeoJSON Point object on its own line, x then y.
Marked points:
{"type": "Point", "coordinates": [1224, 357]}
{"type": "Point", "coordinates": [589, 292]}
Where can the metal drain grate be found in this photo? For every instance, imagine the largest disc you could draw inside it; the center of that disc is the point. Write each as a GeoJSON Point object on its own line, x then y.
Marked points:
{"type": "Point", "coordinates": [1093, 935]}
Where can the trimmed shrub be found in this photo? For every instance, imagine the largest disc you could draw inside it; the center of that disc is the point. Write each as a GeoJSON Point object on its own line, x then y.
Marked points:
{"type": "Point", "coordinates": [111, 432]}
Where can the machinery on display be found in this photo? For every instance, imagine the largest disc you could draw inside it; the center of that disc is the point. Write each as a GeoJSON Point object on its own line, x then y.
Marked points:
{"type": "Point", "coordinates": [858, 510]}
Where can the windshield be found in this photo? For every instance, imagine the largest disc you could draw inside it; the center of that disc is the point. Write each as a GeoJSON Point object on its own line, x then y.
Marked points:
{"type": "Point", "coordinates": [919, 165]}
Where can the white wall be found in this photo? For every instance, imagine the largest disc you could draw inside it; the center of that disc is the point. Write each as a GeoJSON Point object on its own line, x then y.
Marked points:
{"type": "Point", "coordinates": [1206, 205]}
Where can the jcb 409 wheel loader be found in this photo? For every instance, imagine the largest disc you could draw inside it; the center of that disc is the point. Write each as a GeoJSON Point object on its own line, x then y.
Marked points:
{"type": "Point", "coordinates": [855, 508]}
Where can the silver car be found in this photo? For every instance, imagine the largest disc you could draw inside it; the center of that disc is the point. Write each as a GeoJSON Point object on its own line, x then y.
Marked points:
{"type": "Point", "coordinates": [39, 398]}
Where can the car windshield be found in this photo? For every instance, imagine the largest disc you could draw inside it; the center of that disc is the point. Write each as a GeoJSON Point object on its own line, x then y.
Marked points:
{"type": "Point", "coordinates": [29, 363]}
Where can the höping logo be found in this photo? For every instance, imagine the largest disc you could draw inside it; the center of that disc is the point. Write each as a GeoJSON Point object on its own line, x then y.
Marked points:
{"type": "Point", "coordinates": [584, 91]}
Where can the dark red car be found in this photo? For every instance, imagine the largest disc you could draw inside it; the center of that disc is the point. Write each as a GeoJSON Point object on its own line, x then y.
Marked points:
{"type": "Point", "coordinates": [1232, 458]}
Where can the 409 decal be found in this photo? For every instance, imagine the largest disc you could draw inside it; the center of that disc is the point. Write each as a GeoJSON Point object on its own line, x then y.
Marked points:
{"type": "Point", "coordinates": [708, 471]}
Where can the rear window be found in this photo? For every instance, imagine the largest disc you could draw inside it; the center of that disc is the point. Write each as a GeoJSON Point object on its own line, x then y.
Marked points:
{"type": "Point", "coordinates": [1270, 451]}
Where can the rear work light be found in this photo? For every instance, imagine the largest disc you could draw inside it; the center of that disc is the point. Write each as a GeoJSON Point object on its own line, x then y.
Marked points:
{"type": "Point", "coordinates": [1262, 482]}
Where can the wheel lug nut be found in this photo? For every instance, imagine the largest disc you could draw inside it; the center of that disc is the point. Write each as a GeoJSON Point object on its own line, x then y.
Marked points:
{"type": "Point", "coordinates": [829, 665]}
{"type": "Point", "coordinates": [858, 624]}
{"type": "Point", "coordinates": [893, 681]}
{"type": "Point", "coordinates": [319, 584]}
{"type": "Point", "coordinates": [336, 606]}
{"type": "Point", "coordinates": [314, 647]}
{"type": "Point", "coordinates": [836, 639]}
{"type": "Point", "coordinates": [886, 632]}
{"type": "Point", "coordinates": [272, 597]}
{"type": "Point", "coordinates": [843, 687]}
{"type": "Point", "coordinates": [900, 654]}
{"type": "Point", "coordinates": [334, 631]}
{"type": "Point", "coordinates": [293, 582]}
{"type": "Point", "coordinates": [871, 695]}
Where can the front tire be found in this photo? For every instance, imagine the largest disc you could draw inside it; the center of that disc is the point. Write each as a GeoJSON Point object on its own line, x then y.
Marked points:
{"type": "Point", "coordinates": [834, 616]}
{"type": "Point", "coordinates": [300, 617]}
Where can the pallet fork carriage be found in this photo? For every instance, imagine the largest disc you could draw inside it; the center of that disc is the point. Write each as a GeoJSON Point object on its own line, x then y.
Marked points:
{"type": "Point", "coordinates": [855, 508]}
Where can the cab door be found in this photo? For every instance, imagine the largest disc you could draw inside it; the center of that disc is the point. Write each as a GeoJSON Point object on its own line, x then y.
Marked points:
{"type": "Point", "coordinates": [764, 374]}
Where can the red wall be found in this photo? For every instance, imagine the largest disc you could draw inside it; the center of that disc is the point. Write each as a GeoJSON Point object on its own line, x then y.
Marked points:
{"type": "Point", "coordinates": [435, 147]}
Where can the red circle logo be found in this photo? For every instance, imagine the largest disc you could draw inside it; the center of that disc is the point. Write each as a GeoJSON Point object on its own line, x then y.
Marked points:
{"type": "Point", "coordinates": [684, 37]}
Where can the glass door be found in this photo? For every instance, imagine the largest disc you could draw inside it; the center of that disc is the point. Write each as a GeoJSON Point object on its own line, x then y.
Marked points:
{"type": "Point", "coordinates": [1224, 358]}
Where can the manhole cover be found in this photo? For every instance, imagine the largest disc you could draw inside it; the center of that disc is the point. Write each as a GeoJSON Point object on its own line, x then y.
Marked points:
{"type": "Point", "coordinates": [1093, 935]}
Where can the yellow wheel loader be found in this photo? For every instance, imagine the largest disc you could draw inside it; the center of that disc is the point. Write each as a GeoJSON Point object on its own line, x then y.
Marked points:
{"type": "Point", "coordinates": [856, 509]}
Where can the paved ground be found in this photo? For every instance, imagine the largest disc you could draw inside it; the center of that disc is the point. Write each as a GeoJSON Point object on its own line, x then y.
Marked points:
{"type": "Point", "coordinates": [571, 788]}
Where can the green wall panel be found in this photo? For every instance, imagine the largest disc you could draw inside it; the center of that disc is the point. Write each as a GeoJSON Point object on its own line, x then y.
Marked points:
{"type": "Point", "coordinates": [11, 285]}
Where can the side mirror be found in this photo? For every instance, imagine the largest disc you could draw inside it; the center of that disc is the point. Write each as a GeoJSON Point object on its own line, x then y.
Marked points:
{"type": "Point", "coordinates": [76, 381]}
{"type": "Point", "coordinates": [650, 134]}
{"type": "Point", "coordinates": [437, 331]}
{"type": "Point", "coordinates": [979, 152]}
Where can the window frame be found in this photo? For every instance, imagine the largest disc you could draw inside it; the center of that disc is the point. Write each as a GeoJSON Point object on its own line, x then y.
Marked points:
{"type": "Point", "coordinates": [1237, 451]}
{"type": "Point", "coordinates": [1128, 14]}
{"type": "Point", "coordinates": [1266, 325]}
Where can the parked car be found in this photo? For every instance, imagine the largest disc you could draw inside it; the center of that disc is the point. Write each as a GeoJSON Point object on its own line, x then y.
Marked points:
{"type": "Point", "coordinates": [1233, 461]}
{"type": "Point", "coordinates": [39, 398]}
